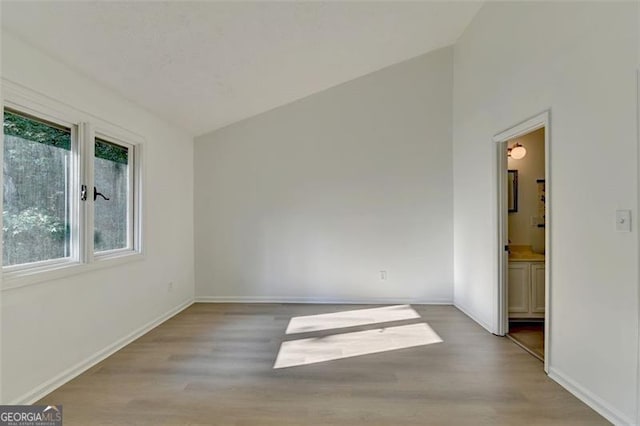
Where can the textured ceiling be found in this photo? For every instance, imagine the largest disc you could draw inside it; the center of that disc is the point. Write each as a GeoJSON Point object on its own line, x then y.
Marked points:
{"type": "Point", "coordinates": [203, 65]}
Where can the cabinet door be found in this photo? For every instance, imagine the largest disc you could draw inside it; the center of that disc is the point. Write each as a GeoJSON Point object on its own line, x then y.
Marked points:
{"type": "Point", "coordinates": [519, 277]}
{"type": "Point", "coordinates": [537, 287]}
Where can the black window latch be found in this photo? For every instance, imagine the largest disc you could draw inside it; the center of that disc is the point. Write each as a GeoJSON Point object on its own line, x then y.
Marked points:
{"type": "Point", "coordinates": [83, 193]}
{"type": "Point", "coordinates": [96, 193]}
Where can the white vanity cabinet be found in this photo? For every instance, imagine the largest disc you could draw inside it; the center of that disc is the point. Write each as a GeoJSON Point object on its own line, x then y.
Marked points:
{"type": "Point", "coordinates": [526, 289]}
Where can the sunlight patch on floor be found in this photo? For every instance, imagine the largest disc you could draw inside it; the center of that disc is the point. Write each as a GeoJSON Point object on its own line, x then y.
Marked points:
{"type": "Point", "coordinates": [309, 323]}
{"type": "Point", "coordinates": [346, 345]}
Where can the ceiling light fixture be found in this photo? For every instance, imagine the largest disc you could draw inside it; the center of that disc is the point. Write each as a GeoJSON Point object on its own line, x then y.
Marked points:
{"type": "Point", "coordinates": [517, 151]}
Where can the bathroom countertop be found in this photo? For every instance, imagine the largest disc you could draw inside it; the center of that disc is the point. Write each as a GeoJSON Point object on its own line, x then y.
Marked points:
{"type": "Point", "coordinates": [524, 254]}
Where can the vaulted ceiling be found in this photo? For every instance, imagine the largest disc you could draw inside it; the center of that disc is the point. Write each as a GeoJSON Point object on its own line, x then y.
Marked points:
{"type": "Point", "coordinates": [203, 65]}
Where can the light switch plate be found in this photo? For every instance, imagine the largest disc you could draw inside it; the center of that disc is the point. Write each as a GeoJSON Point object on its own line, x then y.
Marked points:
{"type": "Point", "coordinates": [623, 220]}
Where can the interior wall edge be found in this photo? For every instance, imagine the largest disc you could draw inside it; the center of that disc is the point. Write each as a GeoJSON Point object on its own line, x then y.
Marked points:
{"type": "Point", "coordinates": [72, 372]}
{"type": "Point", "coordinates": [468, 312]}
{"type": "Point", "coordinates": [601, 406]}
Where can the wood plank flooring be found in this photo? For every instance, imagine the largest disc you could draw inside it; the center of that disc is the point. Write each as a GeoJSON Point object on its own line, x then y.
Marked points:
{"type": "Point", "coordinates": [530, 335]}
{"type": "Point", "coordinates": [212, 364]}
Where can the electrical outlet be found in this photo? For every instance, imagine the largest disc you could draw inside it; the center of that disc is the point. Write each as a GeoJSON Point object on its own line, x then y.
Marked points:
{"type": "Point", "coordinates": [383, 275]}
{"type": "Point", "coordinates": [170, 287]}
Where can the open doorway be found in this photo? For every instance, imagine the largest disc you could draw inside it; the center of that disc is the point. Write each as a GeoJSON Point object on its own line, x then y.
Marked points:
{"type": "Point", "coordinates": [524, 244]}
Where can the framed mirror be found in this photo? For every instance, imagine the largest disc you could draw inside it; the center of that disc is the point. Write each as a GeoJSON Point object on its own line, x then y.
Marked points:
{"type": "Point", "coordinates": [512, 190]}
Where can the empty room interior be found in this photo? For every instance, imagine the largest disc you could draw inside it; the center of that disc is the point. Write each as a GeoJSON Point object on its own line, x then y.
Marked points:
{"type": "Point", "coordinates": [320, 213]}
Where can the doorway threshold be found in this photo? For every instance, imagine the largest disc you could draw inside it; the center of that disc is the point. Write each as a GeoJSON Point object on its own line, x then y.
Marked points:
{"type": "Point", "coordinates": [528, 339]}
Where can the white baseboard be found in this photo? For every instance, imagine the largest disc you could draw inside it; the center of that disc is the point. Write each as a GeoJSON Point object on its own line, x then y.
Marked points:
{"type": "Point", "coordinates": [474, 317]}
{"type": "Point", "coordinates": [50, 385]}
{"type": "Point", "coordinates": [321, 300]}
{"type": "Point", "coordinates": [600, 406]}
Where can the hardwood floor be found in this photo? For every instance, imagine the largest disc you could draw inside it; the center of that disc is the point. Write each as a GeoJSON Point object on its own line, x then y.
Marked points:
{"type": "Point", "coordinates": [213, 365]}
{"type": "Point", "coordinates": [530, 335]}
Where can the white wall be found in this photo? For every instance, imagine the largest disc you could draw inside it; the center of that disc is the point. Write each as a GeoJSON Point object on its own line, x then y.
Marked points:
{"type": "Point", "coordinates": [530, 169]}
{"type": "Point", "coordinates": [53, 326]}
{"type": "Point", "coordinates": [308, 202]}
{"type": "Point", "coordinates": [579, 59]}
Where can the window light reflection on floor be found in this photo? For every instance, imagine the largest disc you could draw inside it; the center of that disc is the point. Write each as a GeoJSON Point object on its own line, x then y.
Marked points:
{"type": "Point", "coordinates": [346, 345]}
{"type": "Point", "coordinates": [309, 323]}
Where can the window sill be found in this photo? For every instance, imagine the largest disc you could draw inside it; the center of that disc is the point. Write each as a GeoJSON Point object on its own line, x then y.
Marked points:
{"type": "Point", "coordinates": [16, 279]}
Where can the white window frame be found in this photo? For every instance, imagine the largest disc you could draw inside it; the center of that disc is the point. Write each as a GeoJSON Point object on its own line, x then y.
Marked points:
{"type": "Point", "coordinates": [133, 236]}
{"type": "Point", "coordinates": [85, 127]}
{"type": "Point", "coordinates": [74, 216]}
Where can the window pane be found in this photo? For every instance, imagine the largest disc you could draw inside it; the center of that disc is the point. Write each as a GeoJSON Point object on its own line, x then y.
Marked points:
{"type": "Point", "coordinates": [36, 219]}
{"type": "Point", "coordinates": [111, 174]}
